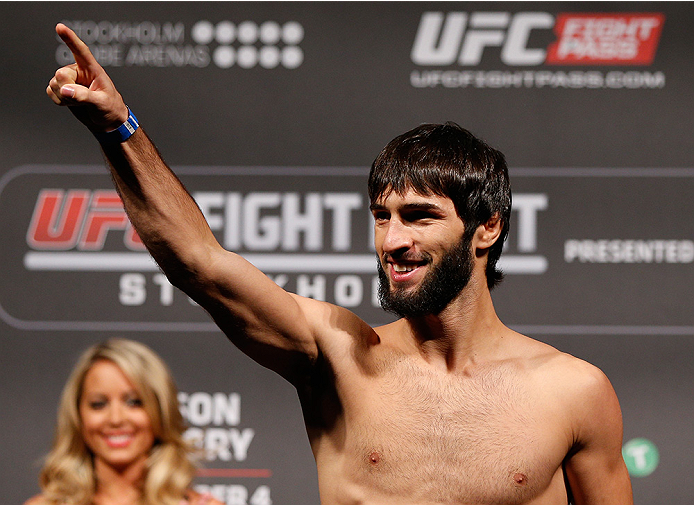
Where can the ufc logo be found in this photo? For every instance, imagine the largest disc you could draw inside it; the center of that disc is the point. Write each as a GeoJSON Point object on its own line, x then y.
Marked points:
{"type": "Point", "coordinates": [444, 38]}
{"type": "Point", "coordinates": [79, 219]}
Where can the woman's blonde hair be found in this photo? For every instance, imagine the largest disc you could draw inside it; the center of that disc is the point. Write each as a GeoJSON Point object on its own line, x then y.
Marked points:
{"type": "Point", "coordinates": [68, 476]}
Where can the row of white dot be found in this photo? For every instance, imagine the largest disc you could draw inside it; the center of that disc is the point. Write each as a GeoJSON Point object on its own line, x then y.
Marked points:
{"type": "Point", "coordinates": [247, 32]}
{"type": "Point", "coordinates": [249, 56]}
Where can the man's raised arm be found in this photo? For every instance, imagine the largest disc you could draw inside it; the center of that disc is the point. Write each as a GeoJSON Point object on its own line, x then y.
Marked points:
{"type": "Point", "coordinates": [265, 321]}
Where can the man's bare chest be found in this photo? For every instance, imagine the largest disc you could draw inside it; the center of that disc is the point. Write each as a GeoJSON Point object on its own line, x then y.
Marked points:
{"type": "Point", "coordinates": [480, 437]}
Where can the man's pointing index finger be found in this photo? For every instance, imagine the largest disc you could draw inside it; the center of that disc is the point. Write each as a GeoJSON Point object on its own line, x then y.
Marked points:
{"type": "Point", "coordinates": [83, 56]}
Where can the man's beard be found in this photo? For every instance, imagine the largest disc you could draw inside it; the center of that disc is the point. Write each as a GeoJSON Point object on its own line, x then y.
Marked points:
{"type": "Point", "coordinates": [440, 286]}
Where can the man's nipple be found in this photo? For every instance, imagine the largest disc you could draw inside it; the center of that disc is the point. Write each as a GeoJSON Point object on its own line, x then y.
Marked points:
{"type": "Point", "coordinates": [374, 458]}
{"type": "Point", "coordinates": [520, 478]}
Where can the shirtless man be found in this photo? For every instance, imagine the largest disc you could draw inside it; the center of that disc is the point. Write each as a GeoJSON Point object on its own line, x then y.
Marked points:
{"type": "Point", "coordinates": [444, 406]}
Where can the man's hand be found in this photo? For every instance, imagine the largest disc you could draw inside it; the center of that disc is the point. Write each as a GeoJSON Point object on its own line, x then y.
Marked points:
{"type": "Point", "coordinates": [86, 88]}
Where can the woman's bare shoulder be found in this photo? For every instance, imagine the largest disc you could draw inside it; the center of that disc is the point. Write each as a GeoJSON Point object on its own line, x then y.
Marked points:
{"type": "Point", "coordinates": [192, 498]}
{"type": "Point", "coordinates": [195, 498]}
{"type": "Point", "coordinates": [37, 500]}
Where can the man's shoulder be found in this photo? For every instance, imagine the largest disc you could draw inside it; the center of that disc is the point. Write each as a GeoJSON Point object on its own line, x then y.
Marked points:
{"type": "Point", "coordinates": [578, 385]}
{"type": "Point", "coordinates": [557, 368]}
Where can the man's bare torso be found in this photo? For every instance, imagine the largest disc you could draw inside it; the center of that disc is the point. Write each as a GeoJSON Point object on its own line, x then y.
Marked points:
{"type": "Point", "coordinates": [387, 427]}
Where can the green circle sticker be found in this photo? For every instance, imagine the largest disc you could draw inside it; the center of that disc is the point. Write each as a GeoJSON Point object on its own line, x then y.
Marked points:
{"type": "Point", "coordinates": [641, 456]}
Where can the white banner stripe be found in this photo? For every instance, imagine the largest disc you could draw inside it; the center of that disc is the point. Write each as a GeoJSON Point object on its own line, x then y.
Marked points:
{"type": "Point", "coordinates": [143, 262]}
{"type": "Point", "coordinates": [523, 264]}
{"type": "Point", "coordinates": [269, 263]}
{"type": "Point", "coordinates": [89, 261]}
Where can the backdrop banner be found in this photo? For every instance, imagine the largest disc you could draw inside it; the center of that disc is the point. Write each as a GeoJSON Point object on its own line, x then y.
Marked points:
{"type": "Point", "coordinates": [271, 114]}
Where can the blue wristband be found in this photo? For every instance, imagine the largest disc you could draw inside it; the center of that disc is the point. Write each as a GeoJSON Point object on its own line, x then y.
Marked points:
{"type": "Point", "coordinates": [120, 134]}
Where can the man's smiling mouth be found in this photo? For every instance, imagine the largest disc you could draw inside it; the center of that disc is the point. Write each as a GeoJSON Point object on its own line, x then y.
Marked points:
{"type": "Point", "coordinates": [403, 268]}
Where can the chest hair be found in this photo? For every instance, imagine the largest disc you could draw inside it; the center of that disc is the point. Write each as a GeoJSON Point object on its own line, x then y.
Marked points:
{"type": "Point", "coordinates": [465, 437]}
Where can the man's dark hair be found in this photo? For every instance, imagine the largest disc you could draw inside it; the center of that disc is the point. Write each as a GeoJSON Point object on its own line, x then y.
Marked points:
{"type": "Point", "coordinates": [447, 160]}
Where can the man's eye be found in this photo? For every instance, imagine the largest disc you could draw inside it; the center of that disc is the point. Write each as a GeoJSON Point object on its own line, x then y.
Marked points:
{"type": "Point", "coordinates": [418, 215]}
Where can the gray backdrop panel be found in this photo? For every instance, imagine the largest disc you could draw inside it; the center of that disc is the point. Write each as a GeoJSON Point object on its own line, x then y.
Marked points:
{"type": "Point", "coordinates": [599, 259]}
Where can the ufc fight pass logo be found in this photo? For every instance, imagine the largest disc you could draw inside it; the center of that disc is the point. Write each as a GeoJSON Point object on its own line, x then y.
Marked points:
{"type": "Point", "coordinates": [581, 39]}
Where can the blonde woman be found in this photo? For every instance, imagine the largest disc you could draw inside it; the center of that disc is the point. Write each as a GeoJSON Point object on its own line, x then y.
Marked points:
{"type": "Point", "coordinates": [119, 434]}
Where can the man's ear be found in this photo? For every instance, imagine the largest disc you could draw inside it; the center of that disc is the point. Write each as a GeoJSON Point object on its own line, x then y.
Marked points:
{"type": "Point", "coordinates": [487, 233]}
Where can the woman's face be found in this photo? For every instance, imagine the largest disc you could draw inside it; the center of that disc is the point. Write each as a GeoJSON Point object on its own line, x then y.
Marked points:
{"type": "Point", "coordinates": [115, 425]}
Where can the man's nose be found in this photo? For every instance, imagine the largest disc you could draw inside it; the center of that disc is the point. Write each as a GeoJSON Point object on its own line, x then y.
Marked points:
{"type": "Point", "coordinates": [398, 237]}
